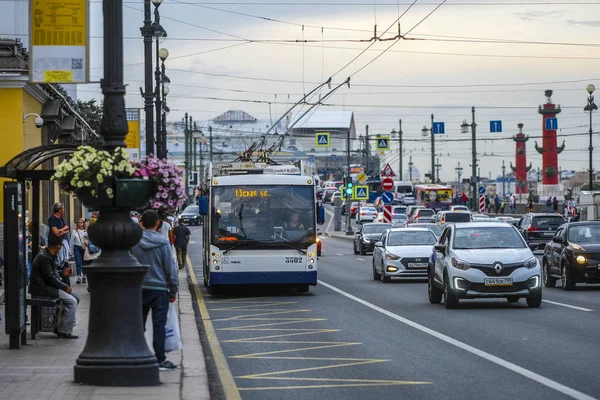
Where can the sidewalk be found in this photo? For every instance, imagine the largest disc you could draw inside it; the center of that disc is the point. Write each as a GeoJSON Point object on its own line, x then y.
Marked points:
{"type": "Point", "coordinates": [44, 368]}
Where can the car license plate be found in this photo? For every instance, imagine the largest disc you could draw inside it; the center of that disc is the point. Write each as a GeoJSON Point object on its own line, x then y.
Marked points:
{"type": "Point", "coordinates": [417, 265]}
{"type": "Point", "coordinates": [498, 282]}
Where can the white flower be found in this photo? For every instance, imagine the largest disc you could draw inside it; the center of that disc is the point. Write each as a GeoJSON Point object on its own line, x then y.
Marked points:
{"type": "Point", "coordinates": [109, 192]}
{"type": "Point", "coordinates": [99, 178]}
{"type": "Point", "coordinates": [58, 175]}
{"type": "Point", "coordinates": [79, 184]}
{"type": "Point", "coordinates": [87, 183]}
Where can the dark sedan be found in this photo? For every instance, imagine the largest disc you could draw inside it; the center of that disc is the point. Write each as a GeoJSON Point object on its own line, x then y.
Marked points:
{"type": "Point", "coordinates": [367, 235]}
{"type": "Point", "coordinates": [573, 255]}
{"type": "Point", "coordinates": [191, 215]}
{"type": "Point", "coordinates": [539, 228]}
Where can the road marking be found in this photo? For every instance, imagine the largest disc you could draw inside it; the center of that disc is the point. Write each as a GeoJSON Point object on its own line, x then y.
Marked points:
{"type": "Point", "coordinates": [360, 259]}
{"type": "Point", "coordinates": [473, 350]}
{"type": "Point", "coordinates": [229, 387]}
{"type": "Point", "coordinates": [567, 305]}
{"type": "Point", "coordinates": [192, 242]}
{"type": "Point", "coordinates": [338, 254]}
{"type": "Point", "coordinates": [330, 222]}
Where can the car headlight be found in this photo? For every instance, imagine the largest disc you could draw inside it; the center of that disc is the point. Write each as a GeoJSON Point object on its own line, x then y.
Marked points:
{"type": "Point", "coordinates": [390, 256]}
{"type": "Point", "coordinates": [581, 259]}
{"type": "Point", "coordinates": [459, 264]}
{"type": "Point", "coordinates": [531, 263]}
{"type": "Point", "coordinates": [577, 247]}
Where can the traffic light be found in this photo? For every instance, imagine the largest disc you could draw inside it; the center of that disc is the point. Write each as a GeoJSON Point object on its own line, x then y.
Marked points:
{"type": "Point", "coordinates": [349, 189]}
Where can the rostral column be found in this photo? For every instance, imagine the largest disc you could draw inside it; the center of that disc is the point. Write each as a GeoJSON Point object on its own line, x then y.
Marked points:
{"type": "Point", "coordinates": [521, 169]}
{"type": "Point", "coordinates": [550, 150]}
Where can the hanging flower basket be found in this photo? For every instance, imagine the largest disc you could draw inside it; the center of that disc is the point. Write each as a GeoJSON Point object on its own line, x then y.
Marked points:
{"type": "Point", "coordinates": [129, 194]}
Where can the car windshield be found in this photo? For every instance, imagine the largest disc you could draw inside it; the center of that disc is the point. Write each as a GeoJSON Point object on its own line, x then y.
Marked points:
{"type": "Point", "coordinates": [368, 209]}
{"type": "Point", "coordinates": [399, 217]}
{"type": "Point", "coordinates": [432, 227]}
{"type": "Point", "coordinates": [584, 234]}
{"type": "Point", "coordinates": [375, 228]}
{"type": "Point", "coordinates": [263, 214]}
{"type": "Point", "coordinates": [500, 237]}
{"type": "Point", "coordinates": [399, 210]}
{"type": "Point", "coordinates": [191, 210]}
{"type": "Point", "coordinates": [411, 238]}
{"type": "Point", "coordinates": [457, 217]}
{"type": "Point", "coordinates": [425, 213]}
{"type": "Point", "coordinates": [550, 221]}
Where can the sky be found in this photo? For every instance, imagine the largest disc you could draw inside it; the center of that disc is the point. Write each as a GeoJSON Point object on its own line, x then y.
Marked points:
{"type": "Point", "coordinates": [498, 56]}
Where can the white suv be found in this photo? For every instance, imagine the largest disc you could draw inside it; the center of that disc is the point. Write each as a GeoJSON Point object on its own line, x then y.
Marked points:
{"type": "Point", "coordinates": [483, 260]}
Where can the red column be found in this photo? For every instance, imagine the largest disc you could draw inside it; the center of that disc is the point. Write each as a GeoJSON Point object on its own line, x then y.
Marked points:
{"type": "Point", "coordinates": [549, 149]}
{"type": "Point", "coordinates": [520, 167]}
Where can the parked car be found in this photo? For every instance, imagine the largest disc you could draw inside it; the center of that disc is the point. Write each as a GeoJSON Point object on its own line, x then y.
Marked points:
{"type": "Point", "coordinates": [403, 253]}
{"type": "Point", "coordinates": [435, 228]}
{"type": "Point", "coordinates": [191, 215]}
{"type": "Point", "coordinates": [366, 214]}
{"type": "Point", "coordinates": [449, 217]}
{"type": "Point", "coordinates": [573, 255]}
{"type": "Point", "coordinates": [483, 260]}
{"type": "Point", "coordinates": [539, 228]}
{"type": "Point", "coordinates": [366, 236]}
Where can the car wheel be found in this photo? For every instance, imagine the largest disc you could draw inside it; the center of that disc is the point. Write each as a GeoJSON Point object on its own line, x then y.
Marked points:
{"type": "Point", "coordinates": [549, 281]}
{"type": "Point", "coordinates": [535, 301]}
{"type": "Point", "coordinates": [450, 299]}
{"type": "Point", "coordinates": [512, 299]}
{"type": "Point", "coordinates": [361, 250]}
{"type": "Point", "coordinates": [376, 275]}
{"type": "Point", "coordinates": [567, 278]}
{"type": "Point", "coordinates": [435, 294]}
{"type": "Point", "coordinates": [302, 288]}
{"type": "Point", "coordinates": [384, 277]}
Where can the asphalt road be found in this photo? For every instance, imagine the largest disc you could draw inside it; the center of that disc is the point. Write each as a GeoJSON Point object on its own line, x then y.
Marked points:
{"type": "Point", "coordinates": [354, 338]}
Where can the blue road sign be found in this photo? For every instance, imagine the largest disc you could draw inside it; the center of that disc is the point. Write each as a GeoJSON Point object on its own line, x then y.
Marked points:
{"type": "Point", "coordinates": [495, 126]}
{"type": "Point", "coordinates": [361, 192]}
{"type": "Point", "coordinates": [551, 124]}
{"type": "Point", "coordinates": [439, 128]}
{"type": "Point", "coordinates": [383, 144]}
{"type": "Point", "coordinates": [334, 157]}
{"type": "Point", "coordinates": [322, 139]}
{"type": "Point", "coordinates": [481, 189]}
{"type": "Point", "coordinates": [387, 197]}
{"type": "Point", "coordinates": [311, 158]}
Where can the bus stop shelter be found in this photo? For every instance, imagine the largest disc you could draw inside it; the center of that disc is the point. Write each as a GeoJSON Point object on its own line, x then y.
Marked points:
{"type": "Point", "coordinates": [24, 167]}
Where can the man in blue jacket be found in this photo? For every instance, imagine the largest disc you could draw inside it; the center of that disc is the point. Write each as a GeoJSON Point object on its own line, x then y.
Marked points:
{"type": "Point", "coordinates": [160, 284]}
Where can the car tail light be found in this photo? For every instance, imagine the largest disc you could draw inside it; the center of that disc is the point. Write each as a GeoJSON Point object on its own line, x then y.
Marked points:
{"type": "Point", "coordinates": [363, 213]}
{"type": "Point", "coordinates": [531, 229]}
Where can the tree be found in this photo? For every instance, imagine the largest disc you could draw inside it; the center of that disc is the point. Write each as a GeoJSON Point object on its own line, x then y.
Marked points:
{"type": "Point", "coordinates": [91, 113]}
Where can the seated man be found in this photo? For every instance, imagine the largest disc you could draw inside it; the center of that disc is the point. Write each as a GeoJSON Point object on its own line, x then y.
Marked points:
{"type": "Point", "coordinates": [294, 222]}
{"type": "Point", "coordinates": [45, 281]}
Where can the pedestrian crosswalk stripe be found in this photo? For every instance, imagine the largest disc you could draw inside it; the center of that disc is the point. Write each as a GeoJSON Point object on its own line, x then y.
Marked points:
{"type": "Point", "coordinates": [361, 193]}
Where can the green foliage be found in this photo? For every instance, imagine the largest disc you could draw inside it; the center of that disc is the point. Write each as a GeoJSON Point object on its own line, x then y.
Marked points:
{"type": "Point", "coordinates": [91, 113]}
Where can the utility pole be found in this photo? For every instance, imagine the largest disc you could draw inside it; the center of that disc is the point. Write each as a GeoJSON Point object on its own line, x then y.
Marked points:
{"type": "Point", "coordinates": [210, 142]}
{"type": "Point", "coordinates": [437, 169]}
{"type": "Point", "coordinates": [367, 149]}
{"type": "Point", "coordinates": [459, 171]}
{"type": "Point", "coordinates": [186, 134]}
{"type": "Point", "coordinates": [400, 149]}
{"type": "Point", "coordinates": [503, 179]}
{"type": "Point", "coordinates": [432, 152]}
{"type": "Point", "coordinates": [474, 174]}
{"type": "Point", "coordinates": [410, 165]}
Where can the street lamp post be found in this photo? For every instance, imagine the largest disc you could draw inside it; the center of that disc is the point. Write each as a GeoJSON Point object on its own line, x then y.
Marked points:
{"type": "Point", "coordinates": [424, 132]}
{"type": "Point", "coordinates": [148, 95]}
{"type": "Point", "coordinates": [165, 82]}
{"type": "Point", "coordinates": [197, 135]}
{"type": "Point", "coordinates": [464, 128]}
{"type": "Point", "coordinates": [399, 147]}
{"type": "Point", "coordinates": [591, 107]}
{"type": "Point", "coordinates": [116, 352]}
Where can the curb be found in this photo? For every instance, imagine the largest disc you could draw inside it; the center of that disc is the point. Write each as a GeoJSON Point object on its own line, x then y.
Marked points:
{"type": "Point", "coordinates": [194, 377]}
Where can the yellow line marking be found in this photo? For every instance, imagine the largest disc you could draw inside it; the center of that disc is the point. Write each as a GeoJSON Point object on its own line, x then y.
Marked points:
{"type": "Point", "coordinates": [296, 349]}
{"type": "Point", "coordinates": [287, 341]}
{"type": "Point", "coordinates": [284, 335]}
{"type": "Point", "coordinates": [270, 324]}
{"type": "Point", "coordinates": [229, 387]}
{"type": "Point", "coordinates": [291, 371]}
{"type": "Point", "coordinates": [281, 378]}
{"type": "Point", "coordinates": [241, 328]}
{"type": "Point", "coordinates": [335, 386]}
{"type": "Point", "coordinates": [254, 305]}
{"type": "Point", "coordinates": [247, 309]}
{"type": "Point", "coordinates": [268, 313]}
{"type": "Point", "coordinates": [236, 300]}
{"type": "Point", "coordinates": [305, 358]}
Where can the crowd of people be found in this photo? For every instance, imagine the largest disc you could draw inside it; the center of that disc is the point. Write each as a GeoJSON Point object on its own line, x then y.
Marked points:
{"type": "Point", "coordinates": [163, 247]}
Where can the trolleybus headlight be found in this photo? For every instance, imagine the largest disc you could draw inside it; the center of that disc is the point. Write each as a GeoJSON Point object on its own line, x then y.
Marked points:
{"type": "Point", "coordinates": [312, 260]}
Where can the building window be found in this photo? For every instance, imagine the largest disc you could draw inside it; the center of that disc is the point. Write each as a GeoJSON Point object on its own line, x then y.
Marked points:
{"type": "Point", "coordinates": [292, 142]}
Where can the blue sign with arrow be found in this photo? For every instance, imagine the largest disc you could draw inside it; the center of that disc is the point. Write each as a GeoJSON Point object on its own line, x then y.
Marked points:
{"type": "Point", "coordinates": [311, 158]}
{"type": "Point", "coordinates": [495, 126]}
{"type": "Point", "coordinates": [439, 128]}
{"type": "Point", "coordinates": [481, 189]}
{"type": "Point", "coordinates": [551, 124]}
{"type": "Point", "coordinates": [387, 197]}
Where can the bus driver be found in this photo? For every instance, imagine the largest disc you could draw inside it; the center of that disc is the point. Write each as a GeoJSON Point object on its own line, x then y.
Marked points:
{"type": "Point", "coordinates": [294, 222]}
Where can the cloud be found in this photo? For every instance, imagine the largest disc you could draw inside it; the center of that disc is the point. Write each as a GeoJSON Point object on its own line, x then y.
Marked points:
{"type": "Point", "coordinates": [538, 14]}
{"type": "Point", "coordinates": [594, 24]}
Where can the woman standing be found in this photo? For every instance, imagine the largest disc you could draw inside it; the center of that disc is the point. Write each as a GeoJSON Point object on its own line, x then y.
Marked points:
{"type": "Point", "coordinates": [79, 243]}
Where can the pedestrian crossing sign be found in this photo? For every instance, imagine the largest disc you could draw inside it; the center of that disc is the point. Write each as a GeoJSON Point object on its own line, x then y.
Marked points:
{"type": "Point", "coordinates": [383, 142]}
{"type": "Point", "coordinates": [361, 193]}
{"type": "Point", "coordinates": [322, 139]}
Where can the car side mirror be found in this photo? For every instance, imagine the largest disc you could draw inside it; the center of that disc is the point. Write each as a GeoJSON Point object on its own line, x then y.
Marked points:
{"type": "Point", "coordinates": [379, 244]}
{"type": "Point", "coordinates": [203, 205]}
{"type": "Point", "coordinates": [533, 246]}
{"type": "Point", "coordinates": [440, 248]}
{"type": "Point", "coordinates": [558, 239]}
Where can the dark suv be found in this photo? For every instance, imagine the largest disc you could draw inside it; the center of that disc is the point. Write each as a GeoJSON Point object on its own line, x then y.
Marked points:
{"type": "Point", "coordinates": [539, 228]}
{"type": "Point", "coordinates": [367, 235]}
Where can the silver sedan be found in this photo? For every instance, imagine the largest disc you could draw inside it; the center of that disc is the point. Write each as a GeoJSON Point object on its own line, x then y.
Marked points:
{"type": "Point", "coordinates": [403, 253]}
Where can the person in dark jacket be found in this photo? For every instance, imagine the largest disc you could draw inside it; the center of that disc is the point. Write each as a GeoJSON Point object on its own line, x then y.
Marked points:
{"type": "Point", "coordinates": [160, 283]}
{"type": "Point", "coordinates": [45, 281]}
